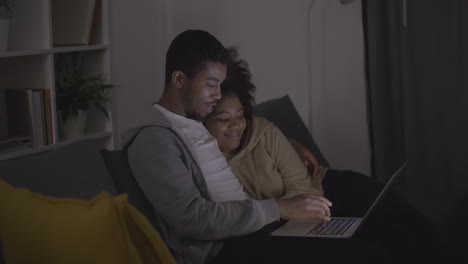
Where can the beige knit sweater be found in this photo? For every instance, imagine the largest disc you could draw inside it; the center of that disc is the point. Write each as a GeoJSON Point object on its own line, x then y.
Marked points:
{"type": "Point", "coordinates": [269, 167]}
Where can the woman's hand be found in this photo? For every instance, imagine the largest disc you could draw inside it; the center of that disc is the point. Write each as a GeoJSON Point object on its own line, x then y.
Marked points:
{"type": "Point", "coordinates": [306, 155]}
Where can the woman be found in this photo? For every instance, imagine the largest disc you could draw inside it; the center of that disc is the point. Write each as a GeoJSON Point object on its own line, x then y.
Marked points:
{"type": "Point", "coordinates": [257, 151]}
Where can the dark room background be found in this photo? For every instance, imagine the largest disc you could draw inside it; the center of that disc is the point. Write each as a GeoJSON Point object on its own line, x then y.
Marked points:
{"type": "Point", "coordinates": [418, 100]}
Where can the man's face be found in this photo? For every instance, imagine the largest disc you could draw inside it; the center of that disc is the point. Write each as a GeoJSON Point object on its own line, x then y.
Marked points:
{"type": "Point", "coordinates": [203, 91]}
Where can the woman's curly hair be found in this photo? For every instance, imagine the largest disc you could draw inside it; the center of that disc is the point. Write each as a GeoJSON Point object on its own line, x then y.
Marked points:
{"type": "Point", "coordinates": [238, 82]}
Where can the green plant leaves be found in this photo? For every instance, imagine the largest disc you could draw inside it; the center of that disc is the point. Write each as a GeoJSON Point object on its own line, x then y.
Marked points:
{"type": "Point", "coordinates": [74, 91]}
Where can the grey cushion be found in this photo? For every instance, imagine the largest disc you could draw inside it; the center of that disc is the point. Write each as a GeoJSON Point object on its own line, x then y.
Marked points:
{"type": "Point", "coordinates": [282, 112]}
{"type": "Point", "coordinates": [76, 170]}
{"type": "Point", "coordinates": [120, 171]}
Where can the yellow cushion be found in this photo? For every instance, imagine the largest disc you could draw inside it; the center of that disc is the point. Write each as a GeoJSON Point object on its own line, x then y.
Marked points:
{"type": "Point", "coordinates": [145, 238]}
{"type": "Point", "coordinates": [39, 229]}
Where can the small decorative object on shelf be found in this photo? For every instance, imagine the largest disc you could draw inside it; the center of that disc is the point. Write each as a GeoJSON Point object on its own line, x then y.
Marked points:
{"type": "Point", "coordinates": [75, 22]}
{"type": "Point", "coordinates": [76, 93]}
{"type": "Point", "coordinates": [6, 13]}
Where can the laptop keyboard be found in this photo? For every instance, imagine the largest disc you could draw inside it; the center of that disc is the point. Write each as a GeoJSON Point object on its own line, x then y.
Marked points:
{"type": "Point", "coordinates": [334, 227]}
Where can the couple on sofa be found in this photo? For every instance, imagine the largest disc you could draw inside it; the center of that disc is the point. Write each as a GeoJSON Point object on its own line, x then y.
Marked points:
{"type": "Point", "coordinates": [212, 211]}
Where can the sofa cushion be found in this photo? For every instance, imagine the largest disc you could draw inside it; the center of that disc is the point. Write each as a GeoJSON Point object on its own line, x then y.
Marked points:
{"type": "Point", "coordinates": [120, 171]}
{"type": "Point", "coordinates": [41, 229]}
{"type": "Point", "coordinates": [75, 170]}
{"type": "Point", "coordinates": [282, 112]}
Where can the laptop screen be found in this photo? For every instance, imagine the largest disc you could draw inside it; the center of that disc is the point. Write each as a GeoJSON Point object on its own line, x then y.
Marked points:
{"type": "Point", "coordinates": [385, 189]}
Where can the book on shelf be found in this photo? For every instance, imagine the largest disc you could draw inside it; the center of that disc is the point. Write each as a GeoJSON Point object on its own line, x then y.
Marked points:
{"type": "Point", "coordinates": [72, 21]}
{"type": "Point", "coordinates": [95, 24]}
{"type": "Point", "coordinates": [27, 115]}
{"type": "Point", "coordinates": [18, 111]}
{"type": "Point", "coordinates": [48, 116]}
{"type": "Point", "coordinates": [40, 132]}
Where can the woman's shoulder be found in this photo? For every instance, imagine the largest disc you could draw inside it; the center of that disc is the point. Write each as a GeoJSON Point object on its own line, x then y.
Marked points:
{"type": "Point", "coordinates": [264, 125]}
{"type": "Point", "coordinates": [261, 122]}
{"type": "Point", "coordinates": [267, 131]}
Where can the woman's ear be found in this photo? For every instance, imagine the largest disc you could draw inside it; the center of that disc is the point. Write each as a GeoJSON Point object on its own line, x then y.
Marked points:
{"type": "Point", "coordinates": [178, 79]}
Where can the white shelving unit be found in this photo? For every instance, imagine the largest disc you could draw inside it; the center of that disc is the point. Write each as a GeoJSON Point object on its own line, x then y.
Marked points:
{"type": "Point", "coordinates": [29, 63]}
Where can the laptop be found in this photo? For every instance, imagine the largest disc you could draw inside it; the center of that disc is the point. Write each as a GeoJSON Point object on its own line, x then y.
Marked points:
{"type": "Point", "coordinates": [337, 227]}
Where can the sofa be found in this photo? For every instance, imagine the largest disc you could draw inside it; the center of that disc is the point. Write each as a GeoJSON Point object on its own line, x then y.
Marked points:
{"type": "Point", "coordinates": [81, 170]}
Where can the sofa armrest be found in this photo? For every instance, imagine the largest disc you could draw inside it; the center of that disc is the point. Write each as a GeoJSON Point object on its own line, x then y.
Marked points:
{"type": "Point", "coordinates": [75, 170]}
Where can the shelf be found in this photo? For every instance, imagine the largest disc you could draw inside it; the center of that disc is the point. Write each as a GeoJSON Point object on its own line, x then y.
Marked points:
{"type": "Point", "coordinates": [79, 48]}
{"type": "Point", "coordinates": [30, 64]}
{"type": "Point", "coordinates": [20, 53]}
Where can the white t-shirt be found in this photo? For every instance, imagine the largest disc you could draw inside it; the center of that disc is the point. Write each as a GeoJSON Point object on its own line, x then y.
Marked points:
{"type": "Point", "coordinates": [222, 184]}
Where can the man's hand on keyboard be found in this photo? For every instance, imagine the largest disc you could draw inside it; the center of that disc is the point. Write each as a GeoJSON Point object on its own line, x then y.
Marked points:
{"type": "Point", "coordinates": [304, 207]}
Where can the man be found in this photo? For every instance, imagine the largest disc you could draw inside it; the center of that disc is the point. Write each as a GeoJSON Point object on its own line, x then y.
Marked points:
{"type": "Point", "coordinates": [165, 155]}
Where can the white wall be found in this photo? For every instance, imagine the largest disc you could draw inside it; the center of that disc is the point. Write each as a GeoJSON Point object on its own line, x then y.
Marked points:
{"type": "Point", "coordinates": [138, 37]}
{"type": "Point", "coordinates": [338, 106]}
{"type": "Point", "coordinates": [273, 36]}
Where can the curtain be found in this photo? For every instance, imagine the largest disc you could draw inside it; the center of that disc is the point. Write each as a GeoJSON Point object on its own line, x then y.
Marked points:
{"type": "Point", "coordinates": [416, 61]}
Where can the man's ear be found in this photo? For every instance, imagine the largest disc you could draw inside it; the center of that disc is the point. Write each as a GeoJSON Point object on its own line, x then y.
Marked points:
{"type": "Point", "coordinates": [178, 79]}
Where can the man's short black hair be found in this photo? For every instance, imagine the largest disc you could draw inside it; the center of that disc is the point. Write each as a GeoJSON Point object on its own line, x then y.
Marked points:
{"type": "Point", "coordinates": [190, 50]}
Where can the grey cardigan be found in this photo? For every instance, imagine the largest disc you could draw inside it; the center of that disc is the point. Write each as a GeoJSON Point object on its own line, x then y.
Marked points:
{"type": "Point", "coordinates": [166, 169]}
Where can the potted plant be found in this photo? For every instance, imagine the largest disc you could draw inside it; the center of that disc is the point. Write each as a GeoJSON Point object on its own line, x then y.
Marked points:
{"type": "Point", "coordinates": [76, 93]}
{"type": "Point", "coordinates": [5, 15]}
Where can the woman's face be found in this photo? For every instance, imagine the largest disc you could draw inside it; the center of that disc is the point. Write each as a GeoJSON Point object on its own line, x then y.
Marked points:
{"type": "Point", "coordinates": [227, 123]}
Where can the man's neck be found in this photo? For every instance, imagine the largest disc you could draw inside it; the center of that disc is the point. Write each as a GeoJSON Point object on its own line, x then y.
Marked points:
{"type": "Point", "coordinates": [171, 104]}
